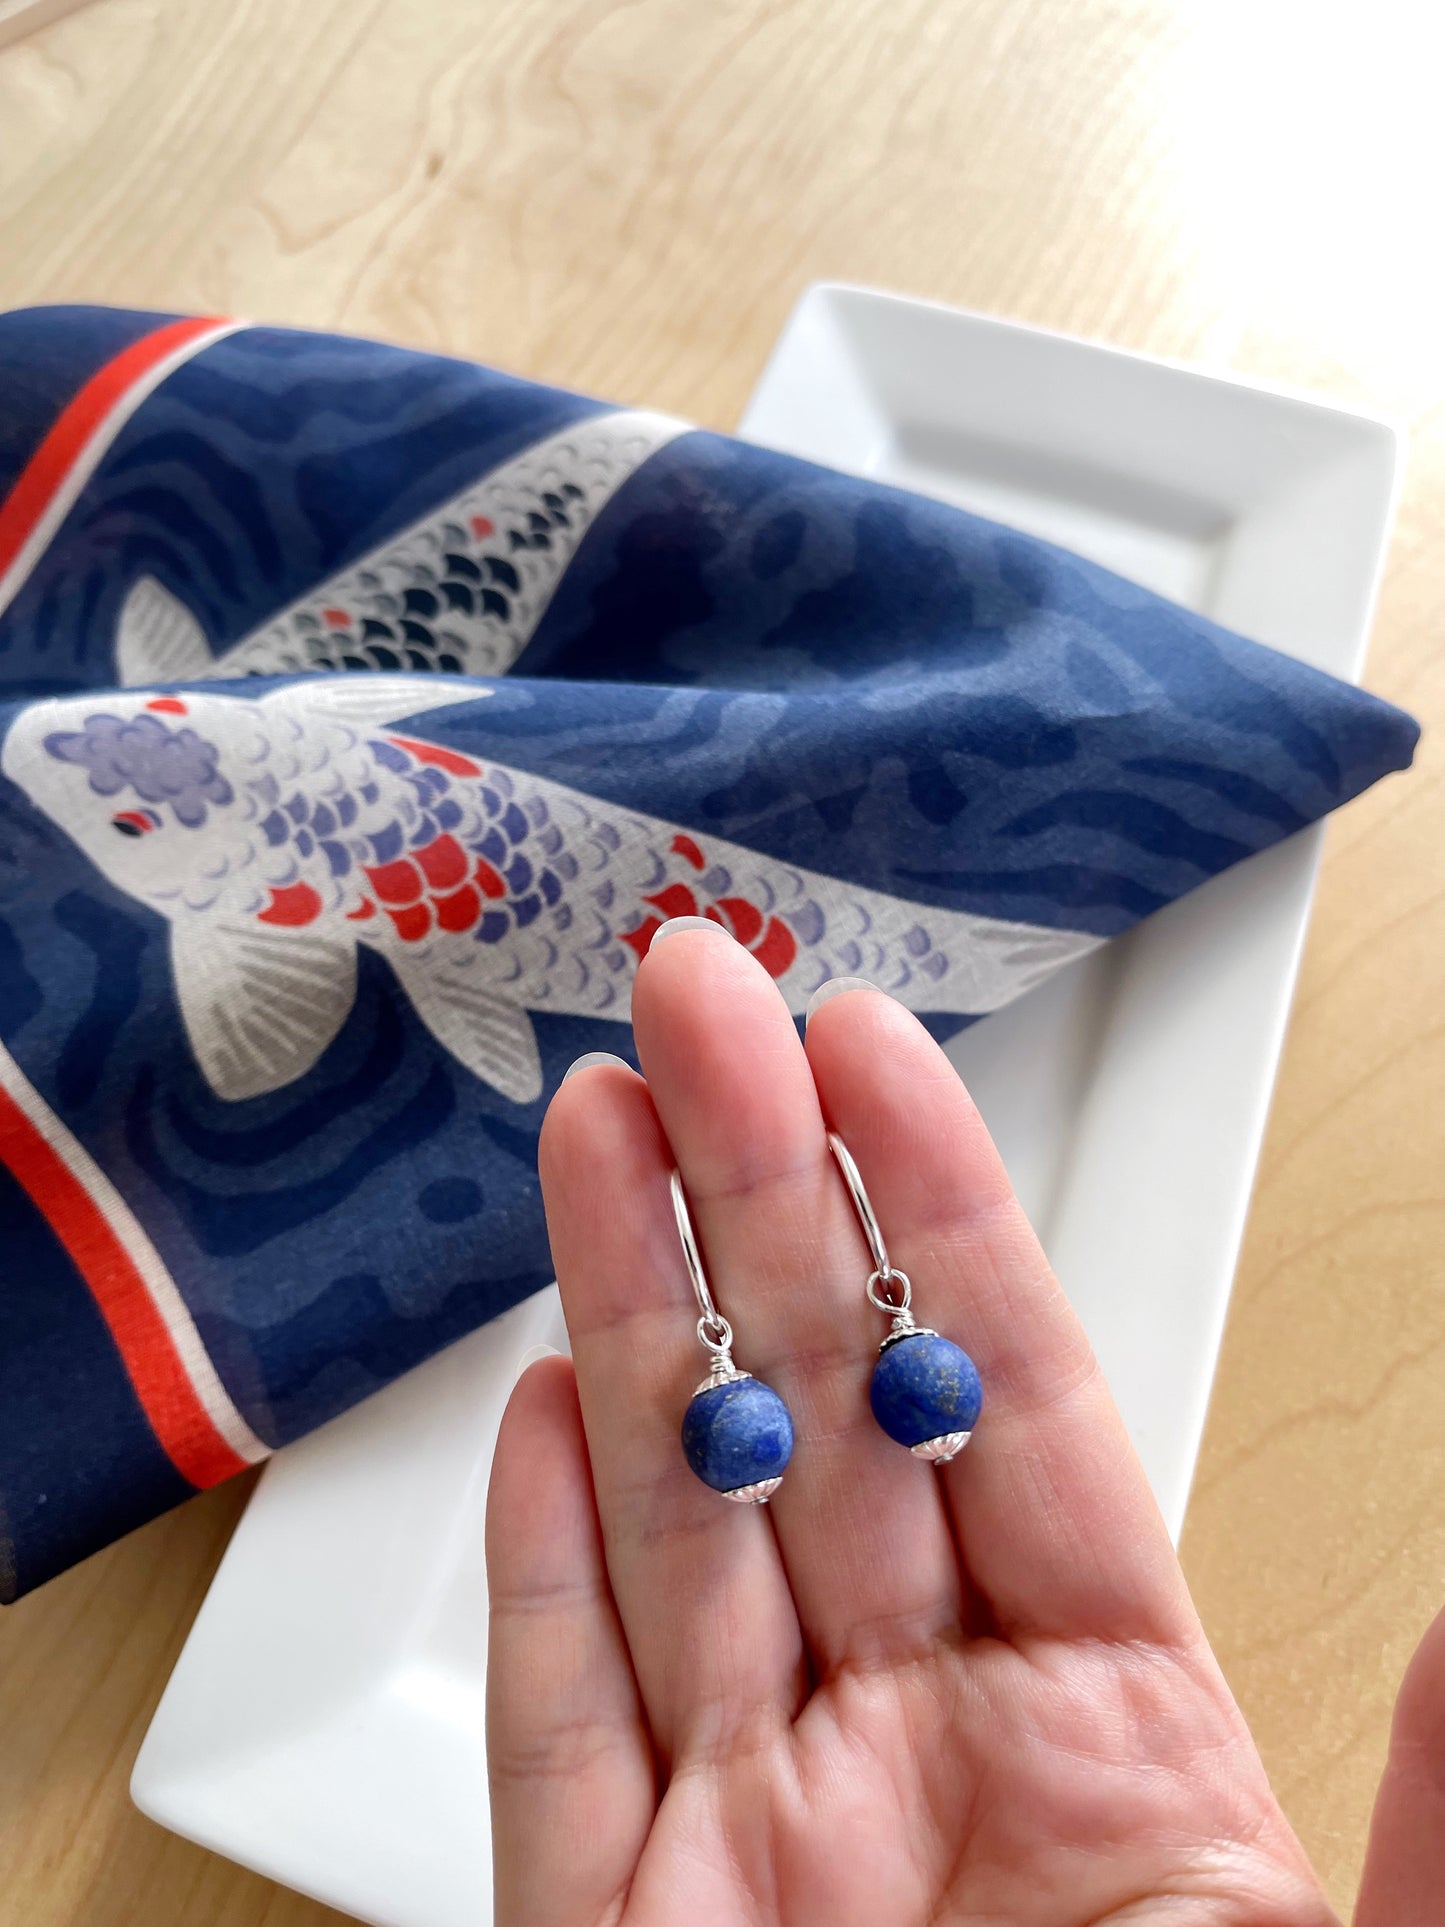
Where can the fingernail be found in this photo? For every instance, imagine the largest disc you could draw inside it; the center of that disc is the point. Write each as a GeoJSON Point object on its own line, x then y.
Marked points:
{"type": "Point", "coordinates": [535, 1353]}
{"type": "Point", "coordinates": [685, 923]}
{"type": "Point", "coordinates": [591, 1057]}
{"type": "Point", "coordinates": [835, 987]}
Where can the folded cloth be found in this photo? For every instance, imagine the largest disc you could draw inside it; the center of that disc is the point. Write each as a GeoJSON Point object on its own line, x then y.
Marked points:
{"type": "Point", "coordinates": [303, 913]}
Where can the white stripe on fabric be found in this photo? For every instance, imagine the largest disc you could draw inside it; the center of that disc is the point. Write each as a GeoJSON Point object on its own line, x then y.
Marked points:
{"type": "Point", "coordinates": [161, 1287]}
{"type": "Point", "coordinates": [89, 459]}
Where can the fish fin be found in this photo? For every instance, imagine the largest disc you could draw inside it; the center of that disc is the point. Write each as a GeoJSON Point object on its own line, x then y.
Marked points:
{"type": "Point", "coordinates": [158, 639]}
{"type": "Point", "coordinates": [259, 1005]}
{"type": "Point", "coordinates": [485, 1030]}
{"type": "Point", "coordinates": [372, 701]}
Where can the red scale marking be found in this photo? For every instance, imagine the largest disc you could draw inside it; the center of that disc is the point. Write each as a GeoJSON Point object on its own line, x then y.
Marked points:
{"type": "Point", "coordinates": [295, 904]}
{"type": "Point", "coordinates": [443, 861]}
{"type": "Point", "coordinates": [675, 901]}
{"type": "Point", "coordinates": [448, 759]}
{"type": "Point", "coordinates": [491, 883]}
{"type": "Point", "coordinates": [641, 938]}
{"type": "Point", "coordinates": [368, 909]}
{"type": "Point", "coordinates": [172, 705]}
{"type": "Point", "coordinates": [736, 914]}
{"type": "Point", "coordinates": [398, 882]}
{"type": "Point", "coordinates": [684, 846]}
{"type": "Point", "coordinates": [336, 618]}
{"type": "Point", "coordinates": [458, 911]}
{"type": "Point", "coordinates": [777, 949]}
{"type": "Point", "coordinates": [482, 528]}
{"type": "Point", "coordinates": [411, 924]}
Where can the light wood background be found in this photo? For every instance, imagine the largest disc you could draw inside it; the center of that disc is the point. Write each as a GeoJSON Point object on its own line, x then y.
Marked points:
{"type": "Point", "coordinates": [627, 196]}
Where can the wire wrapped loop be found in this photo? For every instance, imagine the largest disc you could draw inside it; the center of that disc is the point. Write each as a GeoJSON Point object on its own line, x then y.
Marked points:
{"type": "Point", "coordinates": [881, 1289]}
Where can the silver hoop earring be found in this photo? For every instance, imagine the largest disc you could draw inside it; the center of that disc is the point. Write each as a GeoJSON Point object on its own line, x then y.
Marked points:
{"type": "Point", "coordinates": [737, 1434]}
{"type": "Point", "coordinates": [925, 1390]}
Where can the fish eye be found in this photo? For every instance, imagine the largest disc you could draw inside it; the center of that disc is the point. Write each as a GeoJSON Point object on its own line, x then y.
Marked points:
{"type": "Point", "coordinates": [135, 822]}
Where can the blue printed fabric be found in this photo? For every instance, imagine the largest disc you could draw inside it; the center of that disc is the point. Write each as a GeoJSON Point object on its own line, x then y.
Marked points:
{"type": "Point", "coordinates": [363, 714]}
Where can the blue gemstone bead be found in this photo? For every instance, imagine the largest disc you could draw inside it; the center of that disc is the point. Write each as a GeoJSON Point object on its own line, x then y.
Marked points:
{"type": "Point", "coordinates": [924, 1387]}
{"type": "Point", "coordinates": [738, 1434]}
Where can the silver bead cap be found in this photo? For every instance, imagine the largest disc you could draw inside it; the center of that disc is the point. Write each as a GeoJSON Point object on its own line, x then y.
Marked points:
{"type": "Point", "coordinates": [723, 1372]}
{"type": "Point", "coordinates": [758, 1494]}
{"type": "Point", "coordinates": [946, 1446]}
{"type": "Point", "coordinates": [904, 1327]}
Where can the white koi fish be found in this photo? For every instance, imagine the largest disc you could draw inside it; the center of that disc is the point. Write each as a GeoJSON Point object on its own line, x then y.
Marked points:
{"type": "Point", "coordinates": [278, 835]}
{"type": "Point", "coordinates": [460, 591]}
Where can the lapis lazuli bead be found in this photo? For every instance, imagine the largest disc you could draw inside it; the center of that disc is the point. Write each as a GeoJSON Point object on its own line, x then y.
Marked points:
{"type": "Point", "coordinates": [925, 1387]}
{"type": "Point", "coordinates": [737, 1435]}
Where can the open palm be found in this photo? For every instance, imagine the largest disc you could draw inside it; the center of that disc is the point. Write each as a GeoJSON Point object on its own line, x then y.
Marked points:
{"type": "Point", "coordinates": [896, 1694]}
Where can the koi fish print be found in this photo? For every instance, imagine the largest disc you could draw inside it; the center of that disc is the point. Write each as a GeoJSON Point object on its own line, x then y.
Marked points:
{"type": "Point", "coordinates": [460, 591]}
{"type": "Point", "coordinates": [279, 835]}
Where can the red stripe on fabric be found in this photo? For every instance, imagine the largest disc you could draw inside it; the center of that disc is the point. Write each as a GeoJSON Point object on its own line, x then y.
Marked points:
{"type": "Point", "coordinates": [77, 422]}
{"type": "Point", "coordinates": [169, 1400]}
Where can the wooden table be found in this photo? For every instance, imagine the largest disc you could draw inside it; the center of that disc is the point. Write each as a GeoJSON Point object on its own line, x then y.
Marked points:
{"type": "Point", "coordinates": [627, 196]}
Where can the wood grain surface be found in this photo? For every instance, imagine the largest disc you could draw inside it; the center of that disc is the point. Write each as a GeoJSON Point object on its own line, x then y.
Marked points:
{"type": "Point", "coordinates": [627, 196]}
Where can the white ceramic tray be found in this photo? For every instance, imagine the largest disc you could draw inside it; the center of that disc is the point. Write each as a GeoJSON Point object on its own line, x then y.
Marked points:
{"type": "Point", "coordinates": [324, 1723]}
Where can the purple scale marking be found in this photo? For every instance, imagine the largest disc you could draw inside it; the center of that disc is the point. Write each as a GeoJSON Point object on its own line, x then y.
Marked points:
{"type": "Point", "coordinates": [807, 922]}
{"type": "Point", "coordinates": [389, 756]}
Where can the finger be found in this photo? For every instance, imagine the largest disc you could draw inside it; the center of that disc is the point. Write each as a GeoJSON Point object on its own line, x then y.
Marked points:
{"type": "Point", "coordinates": [1053, 1512]}
{"type": "Point", "coordinates": [571, 1773]}
{"type": "Point", "coordinates": [869, 1552]}
{"type": "Point", "coordinates": [1404, 1875]}
{"type": "Point", "coordinates": [699, 1585]}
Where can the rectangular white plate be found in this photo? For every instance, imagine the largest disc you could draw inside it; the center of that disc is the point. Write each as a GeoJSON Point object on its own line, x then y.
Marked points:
{"type": "Point", "coordinates": [324, 1723]}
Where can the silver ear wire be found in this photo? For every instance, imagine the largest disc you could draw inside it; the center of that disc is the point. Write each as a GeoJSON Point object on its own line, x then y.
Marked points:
{"type": "Point", "coordinates": [737, 1433]}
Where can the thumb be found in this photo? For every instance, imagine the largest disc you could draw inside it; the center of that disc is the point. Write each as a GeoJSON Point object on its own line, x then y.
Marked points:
{"type": "Point", "coordinates": [1404, 1878]}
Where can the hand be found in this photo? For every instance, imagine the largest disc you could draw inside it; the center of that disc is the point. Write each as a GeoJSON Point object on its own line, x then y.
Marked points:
{"type": "Point", "coordinates": [894, 1695]}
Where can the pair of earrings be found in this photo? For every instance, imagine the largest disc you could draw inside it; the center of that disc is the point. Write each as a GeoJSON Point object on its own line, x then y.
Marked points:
{"type": "Point", "coordinates": [737, 1434]}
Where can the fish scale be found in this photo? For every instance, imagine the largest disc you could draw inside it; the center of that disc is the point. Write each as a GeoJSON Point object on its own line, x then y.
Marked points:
{"type": "Point", "coordinates": [461, 590]}
{"type": "Point", "coordinates": [538, 850]}
{"type": "Point", "coordinates": [279, 834]}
